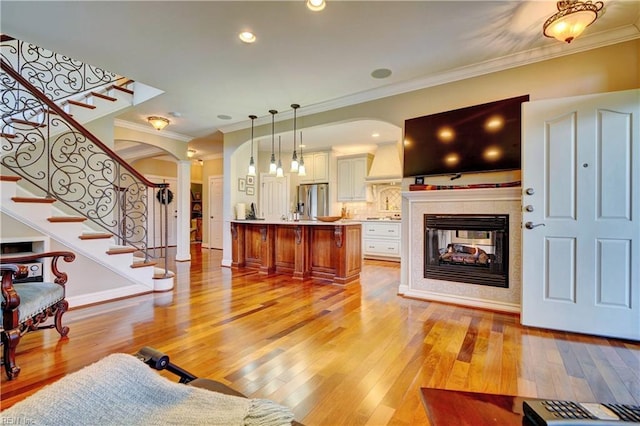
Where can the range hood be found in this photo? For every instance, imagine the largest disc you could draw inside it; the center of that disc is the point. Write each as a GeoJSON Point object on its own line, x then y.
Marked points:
{"type": "Point", "coordinates": [386, 166]}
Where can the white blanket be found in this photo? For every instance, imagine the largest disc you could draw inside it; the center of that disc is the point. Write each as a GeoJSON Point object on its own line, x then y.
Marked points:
{"type": "Point", "coordinates": [122, 390]}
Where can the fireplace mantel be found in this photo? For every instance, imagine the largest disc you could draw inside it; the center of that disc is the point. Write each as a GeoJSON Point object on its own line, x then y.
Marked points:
{"type": "Point", "coordinates": [415, 204]}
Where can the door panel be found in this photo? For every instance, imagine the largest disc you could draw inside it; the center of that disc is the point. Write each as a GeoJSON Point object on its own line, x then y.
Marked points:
{"type": "Point", "coordinates": [581, 162]}
{"type": "Point", "coordinates": [561, 167]}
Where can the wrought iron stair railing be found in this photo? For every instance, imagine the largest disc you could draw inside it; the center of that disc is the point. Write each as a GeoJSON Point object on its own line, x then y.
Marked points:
{"type": "Point", "coordinates": [47, 147]}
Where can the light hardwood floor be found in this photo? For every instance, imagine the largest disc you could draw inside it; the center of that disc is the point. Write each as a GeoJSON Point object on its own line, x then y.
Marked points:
{"type": "Point", "coordinates": [336, 355]}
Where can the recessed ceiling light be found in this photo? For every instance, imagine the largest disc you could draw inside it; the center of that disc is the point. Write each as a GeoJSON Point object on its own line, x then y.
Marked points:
{"type": "Point", "coordinates": [224, 117]}
{"type": "Point", "coordinates": [381, 73]}
{"type": "Point", "coordinates": [316, 5]}
{"type": "Point", "coordinates": [375, 135]}
{"type": "Point", "coordinates": [247, 37]}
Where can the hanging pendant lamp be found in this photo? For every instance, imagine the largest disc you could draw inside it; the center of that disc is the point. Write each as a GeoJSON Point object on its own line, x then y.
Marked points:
{"type": "Point", "coordinates": [252, 164]}
{"type": "Point", "coordinates": [294, 157]}
{"type": "Point", "coordinates": [272, 163]}
{"type": "Point", "coordinates": [302, 171]}
{"type": "Point", "coordinates": [279, 171]}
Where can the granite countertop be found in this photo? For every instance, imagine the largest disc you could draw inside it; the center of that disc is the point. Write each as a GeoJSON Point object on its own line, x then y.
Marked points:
{"type": "Point", "coordinates": [299, 222]}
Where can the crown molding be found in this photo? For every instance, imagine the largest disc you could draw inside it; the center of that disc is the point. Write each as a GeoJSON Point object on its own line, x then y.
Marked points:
{"type": "Point", "coordinates": [547, 52]}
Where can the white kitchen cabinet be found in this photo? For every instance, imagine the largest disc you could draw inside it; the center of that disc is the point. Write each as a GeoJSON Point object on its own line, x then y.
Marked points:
{"type": "Point", "coordinates": [317, 167]}
{"type": "Point", "coordinates": [352, 171]}
{"type": "Point", "coordinates": [381, 240]}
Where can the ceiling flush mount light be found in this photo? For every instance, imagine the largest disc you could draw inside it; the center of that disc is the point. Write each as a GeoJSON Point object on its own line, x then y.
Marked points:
{"type": "Point", "coordinates": [272, 162]}
{"type": "Point", "coordinates": [247, 37]}
{"type": "Point", "coordinates": [316, 5]}
{"type": "Point", "coordinates": [158, 123]}
{"type": "Point", "coordinates": [572, 18]}
{"type": "Point", "coordinates": [252, 164]}
{"type": "Point", "coordinates": [191, 153]}
{"type": "Point", "coordinates": [294, 157]}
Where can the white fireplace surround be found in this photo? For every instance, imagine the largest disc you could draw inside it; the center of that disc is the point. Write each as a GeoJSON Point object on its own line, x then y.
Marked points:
{"type": "Point", "coordinates": [416, 204]}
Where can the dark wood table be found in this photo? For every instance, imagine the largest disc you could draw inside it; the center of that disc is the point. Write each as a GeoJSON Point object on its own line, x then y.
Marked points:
{"type": "Point", "coordinates": [448, 407]}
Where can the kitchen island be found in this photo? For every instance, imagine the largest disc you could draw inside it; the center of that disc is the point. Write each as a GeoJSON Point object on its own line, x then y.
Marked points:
{"type": "Point", "coordinates": [327, 250]}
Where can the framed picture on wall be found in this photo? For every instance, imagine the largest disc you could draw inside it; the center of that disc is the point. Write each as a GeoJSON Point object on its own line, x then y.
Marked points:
{"type": "Point", "coordinates": [420, 180]}
{"type": "Point", "coordinates": [250, 190]}
{"type": "Point", "coordinates": [251, 180]}
{"type": "Point", "coordinates": [242, 184]}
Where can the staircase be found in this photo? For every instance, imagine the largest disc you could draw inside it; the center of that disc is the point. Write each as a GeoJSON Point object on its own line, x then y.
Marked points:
{"type": "Point", "coordinates": [61, 180]}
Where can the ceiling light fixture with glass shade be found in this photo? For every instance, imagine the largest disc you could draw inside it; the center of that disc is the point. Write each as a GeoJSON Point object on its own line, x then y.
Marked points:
{"type": "Point", "coordinates": [191, 153]}
{"type": "Point", "coordinates": [272, 164]}
{"type": "Point", "coordinates": [294, 158]}
{"type": "Point", "coordinates": [279, 171]}
{"type": "Point", "coordinates": [252, 164]}
{"type": "Point", "coordinates": [302, 170]}
{"type": "Point", "coordinates": [572, 18]}
{"type": "Point", "coordinates": [158, 123]}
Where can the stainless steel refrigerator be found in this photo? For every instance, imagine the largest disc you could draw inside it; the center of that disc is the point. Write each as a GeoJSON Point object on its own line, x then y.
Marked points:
{"type": "Point", "coordinates": [313, 200]}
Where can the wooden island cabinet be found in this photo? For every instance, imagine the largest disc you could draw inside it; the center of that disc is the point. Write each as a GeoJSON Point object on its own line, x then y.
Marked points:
{"type": "Point", "coordinates": [331, 251]}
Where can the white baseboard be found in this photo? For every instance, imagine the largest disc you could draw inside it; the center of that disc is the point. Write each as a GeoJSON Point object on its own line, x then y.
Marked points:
{"type": "Point", "coordinates": [106, 295]}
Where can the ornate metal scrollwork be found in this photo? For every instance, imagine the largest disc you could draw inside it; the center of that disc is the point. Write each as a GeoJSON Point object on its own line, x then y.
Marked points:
{"type": "Point", "coordinates": [46, 147]}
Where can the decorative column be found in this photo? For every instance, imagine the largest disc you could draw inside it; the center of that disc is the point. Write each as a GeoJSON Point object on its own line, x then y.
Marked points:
{"type": "Point", "coordinates": [183, 249]}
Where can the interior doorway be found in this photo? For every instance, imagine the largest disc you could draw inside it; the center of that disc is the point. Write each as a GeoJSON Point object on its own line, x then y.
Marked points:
{"type": "Point", "coordinates": [215, 212]}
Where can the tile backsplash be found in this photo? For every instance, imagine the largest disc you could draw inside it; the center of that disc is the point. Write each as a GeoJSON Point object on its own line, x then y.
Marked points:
{"type": "Point", "coordinates": [386, 200]}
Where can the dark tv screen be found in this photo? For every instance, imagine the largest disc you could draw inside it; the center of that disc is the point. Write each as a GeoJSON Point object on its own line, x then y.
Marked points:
{"type": "Point", "coordinates": [479, 138]}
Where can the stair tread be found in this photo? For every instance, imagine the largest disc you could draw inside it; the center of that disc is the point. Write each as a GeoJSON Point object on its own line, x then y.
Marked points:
{"type": "Point", "coordinates": [121, 250]}
{"type": "Point", "coordinates": [143, 264]}
{"type": "Point", "coordinates": [159, 276]}
{"type": "Point", "coordinates": [81, 104]}
{"type": "Point", "coordinates": [122, 89]}
{"type": "Point", "coordinates": [66, 219]}
{"type": "Point", "coordinates": [7, 178]}
{"type": "Point", "coordinates": [103, 96]}
{"type": "Point", "coordinates": [28, 123]}
{"type": "Point", "coordinates": [33, 200]}
{"type": "Point", "coordinates": [95, 236]}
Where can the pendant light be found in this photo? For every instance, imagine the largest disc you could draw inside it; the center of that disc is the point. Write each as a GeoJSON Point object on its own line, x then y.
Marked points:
{"type": "Point", "coordinates": [252, 164]}
{"type": "Point", "coordinates": [279, 171]}
{"type": "Point", "coordinates": [294, 157]}
{"type": "Point", "coordinates": [302, 171]}
{"type": "Point", "coordinates": [272, 163]}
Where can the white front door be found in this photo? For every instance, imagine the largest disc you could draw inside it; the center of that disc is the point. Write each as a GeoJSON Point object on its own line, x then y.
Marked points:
{"type": "Point", "coordinates": [215, 212]}
{"type": "Point", "coordinates": [274, 197]}
{"type": "Point", "coordinates": [580, 250]}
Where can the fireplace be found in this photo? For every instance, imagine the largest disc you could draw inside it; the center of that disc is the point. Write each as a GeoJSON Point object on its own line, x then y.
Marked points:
{"type": "Point", "coordinates": [467, 248]}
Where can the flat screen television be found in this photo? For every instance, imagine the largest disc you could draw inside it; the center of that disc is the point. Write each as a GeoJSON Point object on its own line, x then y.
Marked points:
{"type": "Point", "coordinates": [478, 138]}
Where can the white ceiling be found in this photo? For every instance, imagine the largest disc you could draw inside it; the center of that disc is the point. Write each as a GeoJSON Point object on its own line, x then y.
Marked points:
{"type": "Point", "coordinates": [320, 60]}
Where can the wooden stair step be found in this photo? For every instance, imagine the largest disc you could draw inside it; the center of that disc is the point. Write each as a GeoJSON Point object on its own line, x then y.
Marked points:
{"type": "Point", "coordinates": [159, 276]}
{"type": "Point", "coordinates": [66, 219]}
{"type": "Point", "coordinates": [103, 96]}
{"type": "Point", "coordinates": [6, 178]}
{"type": "Point", "coordinates": [7, 135]}
{"type": "Point", "coordinates": [28, 123]}
{"type": "Point", "coordinates": [121, 250]}
{"type": "Point", "coordinates": [33, 200]}
{"type": "Point", "coordinates": [95, 236]}
{"type": "Point", "coordinates": [122, 89]}
{"type": "Point", "coordinates": [81, 104]}
{"type": "Point", "coordinates": [143, 264]}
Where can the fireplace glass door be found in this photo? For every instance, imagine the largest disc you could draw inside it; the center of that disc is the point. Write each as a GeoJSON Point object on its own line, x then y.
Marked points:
{"type": "Point", "coordinates": [467, 248]}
